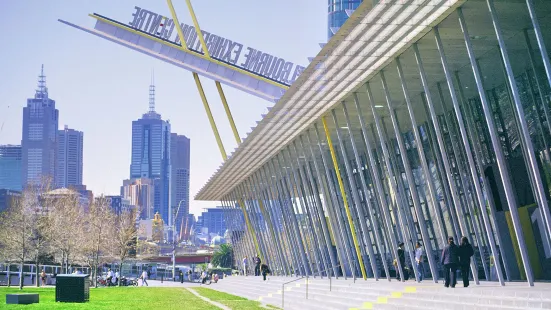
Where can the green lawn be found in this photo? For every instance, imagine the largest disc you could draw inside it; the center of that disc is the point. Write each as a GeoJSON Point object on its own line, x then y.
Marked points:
{"type": "Point", "coordinates": [115, 298]}
{"type": "Point", "coordinates": [232, 301]}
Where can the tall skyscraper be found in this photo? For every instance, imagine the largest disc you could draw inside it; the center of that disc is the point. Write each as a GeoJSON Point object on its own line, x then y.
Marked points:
{"type": "Point", "coordinates": [141, 193]}
{"type": "Point", "coordinates": [40, 123]}
{"type": "Point", "coordinates": [10, 167]}
{"type": "Point", "coordinates": [151, 155]}
{"type": "Point", "coordinates": [338, 13]}
{"type": "Point", "coordinates": [180, 151]}
{"type": "Point", "coordinates": [69, 157]}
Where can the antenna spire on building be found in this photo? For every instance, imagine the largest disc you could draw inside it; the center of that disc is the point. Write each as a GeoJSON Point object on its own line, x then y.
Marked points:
{"type": "Point", "coordinates": [42, 91]}
{"type": "Point", "coordinates": [152, 93]}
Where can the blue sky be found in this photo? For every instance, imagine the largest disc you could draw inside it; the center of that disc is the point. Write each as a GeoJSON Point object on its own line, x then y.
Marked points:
{"type": "Point", "coordinates": [100, 87]}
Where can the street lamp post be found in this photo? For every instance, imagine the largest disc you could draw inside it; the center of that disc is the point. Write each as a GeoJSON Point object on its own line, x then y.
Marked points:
{"type": "Point", "coordinates": [174, 241]}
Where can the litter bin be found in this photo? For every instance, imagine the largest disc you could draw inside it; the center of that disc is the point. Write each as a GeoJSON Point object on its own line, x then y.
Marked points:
{"type": "Point", "coordinates": [72, 288]}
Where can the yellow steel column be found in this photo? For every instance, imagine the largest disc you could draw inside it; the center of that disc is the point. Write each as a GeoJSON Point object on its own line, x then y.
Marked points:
{"type": "Point", "coordinates": [209, 114]}
{"type": "Point", "coordinates": [197, 28]}
{"type": "Point", "coordinates": [228, 112]}
{"type": "Point", "coordinates": [249, 226]}
{"type": "Point", "coordinates": [177, 24]}
{"type": "Point", "coordinates": [345, 201]}
{"type": "Point", "coordinates": [206, 104]}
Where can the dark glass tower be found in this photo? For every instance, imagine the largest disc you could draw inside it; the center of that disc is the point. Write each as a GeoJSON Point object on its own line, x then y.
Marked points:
{"type": "Point", "coordinates": [151, 155]}
{"type": "Point", "coordinates": [38, 142]}
{"type": "Point", "coordinates": [338, 13]}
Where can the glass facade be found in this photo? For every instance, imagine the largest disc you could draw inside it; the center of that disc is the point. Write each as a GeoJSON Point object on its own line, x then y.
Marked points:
{"type": "Point", "coordinates": [450, 139]}
{"type": "Point", "coordinates": [69, 158]}
{"type": "Point", "coordinates": [10, 167]}
{"type": "Point", "coordinates": [40, 123]}
{"type": "Point", "coordinates": [337, 13]}
{"type": "Point", "coordinates": [180, 158]}
{"type": "Point", "coordinates": [151, 158]}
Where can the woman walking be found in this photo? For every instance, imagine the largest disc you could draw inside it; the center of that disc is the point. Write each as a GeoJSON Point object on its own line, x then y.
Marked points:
{"type": "Point", "coordinates": [466, 251]}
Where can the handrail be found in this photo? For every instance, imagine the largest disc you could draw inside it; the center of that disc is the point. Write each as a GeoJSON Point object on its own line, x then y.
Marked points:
{"type": "Point", "coordinates": [307, 277]}
{"type": "Point", "coordinates": [283, 290]}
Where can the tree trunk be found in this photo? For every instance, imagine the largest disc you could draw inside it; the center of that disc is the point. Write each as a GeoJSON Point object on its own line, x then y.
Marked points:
{"type": "Point", "coordinates": [21, 275]}
{"type": "Point", "coordinates": [9, 275]}
{"type": "Point", "coordinates": [62, 261]}
{"type": "Point", "coordinates": [95, 274]}
{"type": "Point", "coordinates": [120, 274]}
{"type": "Point", "coordinates": [37, 272]}
{"type": "Point", "coordinates": [96, 263]}
{"type": "Point", "coordinates": [67, 264]}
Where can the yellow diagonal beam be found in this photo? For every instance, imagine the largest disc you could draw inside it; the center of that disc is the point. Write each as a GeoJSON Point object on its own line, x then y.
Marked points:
{"type": "Point", "coordinates": [250, 227]}
{"type": "Point", "coordinates": [177, 24]}
{"type": "Point", "coordinates": [197, 28]}
{"type": "Point", "coordinates": [209, 114]}
{"type": "Point", "coordinates": [343, 193]}
{"type": "Point", "coordinates": [228, 112]}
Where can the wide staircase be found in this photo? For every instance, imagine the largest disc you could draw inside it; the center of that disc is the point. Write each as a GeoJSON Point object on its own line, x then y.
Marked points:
{"type": "Point", "coordinates": [319, 293]}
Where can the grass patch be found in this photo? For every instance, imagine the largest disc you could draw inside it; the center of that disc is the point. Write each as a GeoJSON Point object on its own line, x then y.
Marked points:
{"type": "Point", "coordinates": [232, 301]}
{"type": "Point", "coordinates": [134, 298]}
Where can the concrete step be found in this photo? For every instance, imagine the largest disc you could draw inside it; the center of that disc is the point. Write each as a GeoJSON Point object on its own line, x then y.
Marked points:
{"type": "Point", "coordinates": [484, 299]}
{"type": "Point", "coordinates": [451, 305]}
{"type": "Point", "coordinates": [386, 295]}
{"type": "Point", "coordinates": [300, 303]}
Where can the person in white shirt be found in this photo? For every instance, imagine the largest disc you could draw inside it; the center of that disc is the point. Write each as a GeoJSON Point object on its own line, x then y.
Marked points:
{"type": "Point", "coordinates": [203, 277]}
{"type": "Point", "coordinates": [144, 278]}
{"type": "Point", "coordinates": [419, 260]}
{"type": "Point", "coordinates": [116, 278]}
{"type": "Point", "coordinates": [109, 276]}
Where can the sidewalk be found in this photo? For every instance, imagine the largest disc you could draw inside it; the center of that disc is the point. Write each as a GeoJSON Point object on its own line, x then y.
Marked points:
{"type": "Point", "coordinates": [170, 283]}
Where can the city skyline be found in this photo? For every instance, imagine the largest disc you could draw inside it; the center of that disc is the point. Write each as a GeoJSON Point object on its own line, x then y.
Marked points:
{"type": "Point", "coordinates": [104, 88]}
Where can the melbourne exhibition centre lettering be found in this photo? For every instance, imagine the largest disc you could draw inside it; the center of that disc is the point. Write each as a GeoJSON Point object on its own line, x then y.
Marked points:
{"type": "Point", "coordinates": [219, 48]}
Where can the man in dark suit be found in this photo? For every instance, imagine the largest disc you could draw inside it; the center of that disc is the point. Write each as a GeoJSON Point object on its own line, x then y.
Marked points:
{"type": "Point", "coordinates": [402, 258]}
{"type": "Point", "coordinates": [450, 261]}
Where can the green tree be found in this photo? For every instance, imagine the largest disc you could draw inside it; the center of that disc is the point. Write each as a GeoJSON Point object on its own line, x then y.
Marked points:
{"type": "Point", "coordinates": [222, 257]}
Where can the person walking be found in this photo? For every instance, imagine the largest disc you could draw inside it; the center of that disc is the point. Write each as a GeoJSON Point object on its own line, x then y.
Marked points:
{"type": "Point", "coordinates": [265, 271]}
{"type": "Point", "coordinates": [189, 273]}
{"type": "Point", "coordinates": [181, 274]}
{"type": "Point", "coordinates": [402, 259]}
{"type": "Point", "coordinates": [450, 261]}
{"type": "Point", "coordinates": [43, 277]}
{"type": "Point", "coordinates": [144, 278]}
{"type": "Point", "coordinates": [419, 260]}
{"type": "Point", "coordinates": [109, 278]}
{"type": "Point", "coordinates": [257, 262]}
{"type": "Point", "coordinates": [466, 251]}
{"type": "Point", "coordinates": [245, 266]}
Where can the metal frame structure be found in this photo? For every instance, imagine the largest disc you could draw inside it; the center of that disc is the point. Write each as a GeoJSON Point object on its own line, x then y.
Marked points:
{"type": "Point", "coordinates": [427, 179]}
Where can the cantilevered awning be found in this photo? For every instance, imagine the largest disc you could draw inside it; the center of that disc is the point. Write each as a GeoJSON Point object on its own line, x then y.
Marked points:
{"type": "Point", "coordinates": [191, 60]}
{"type": "Point", "coordinates": [365, 44]}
